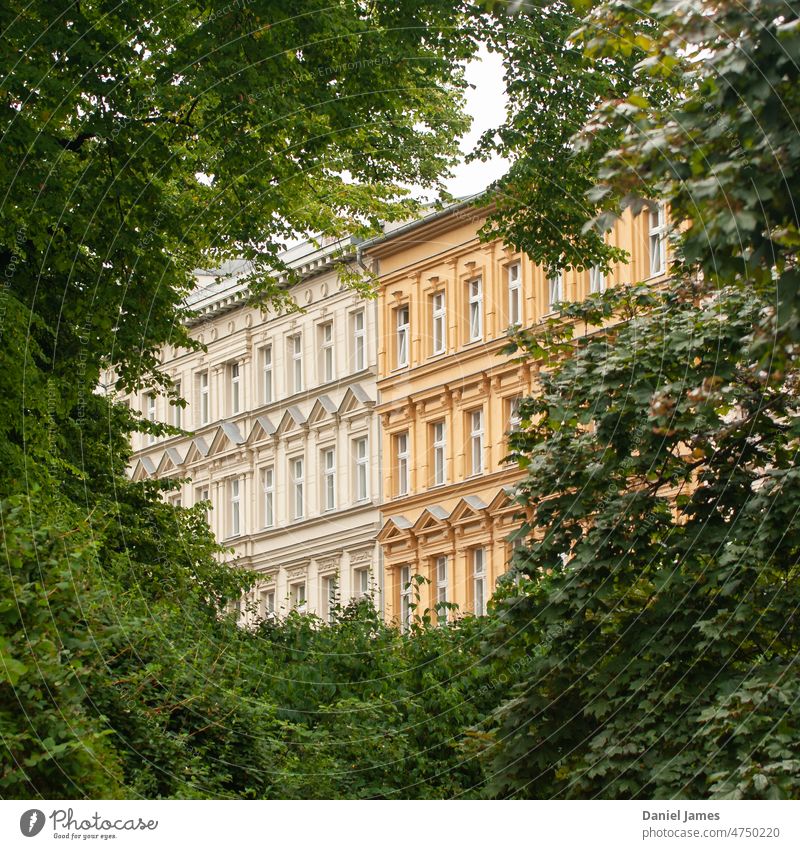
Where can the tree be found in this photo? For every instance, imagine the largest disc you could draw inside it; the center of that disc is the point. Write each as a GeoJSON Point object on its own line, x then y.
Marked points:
{"type": "Point", "coordinates": [542, 204]}
{"type": "Point", "coordinates": [662, 577]}
{"type": "Point", "coordinates": [658, 587]}
{"type": "Point", "coordinates": [138, 145]}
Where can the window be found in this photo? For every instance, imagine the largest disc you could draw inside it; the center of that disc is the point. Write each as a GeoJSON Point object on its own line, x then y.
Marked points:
{"type": "Point", "coordinates": [298, 596]}
{"type": "Point", "coordinates": [441, 588]}
{"type": "Point", "coordinates": [298, 484]}
{"type": "Point", "coordinates": [597, 280]}
{"type": "Point", "coordinates": [401, 452]}
{"type": "Point", "coordinates": [361, 582]}
{"type": "Point", "coordinates": [177, 410]}
{"type": "Point", "coordinates": [296, 363]}
{"type": "Point", "coordinates": [235, 378]}
{"type": "Point", "coordinates": [268, 602]}
{"type": "Point", "coordinates": [326, 371]}
{"type": "Point", "coordinates": [475, 309]}
{"type": "Point", "coordinates": [268, 488]}
{"type": "Point", "coordinates": [439, 453]}
{"type": "Point", "coordinates": [176, 501]}
{"type": "Point", "coordinates": [438, 323]}
{"type": "Point", "coordinates": [362, 469]}
{"type": "Point", "coordinates": [266, 374]}
{"type": "Point", "coordinates": [329, 479]}
{"type": "Point", "coordinates": [359, 341]}
{"type": "Point", "coordinates": [476, 441]}
{"type": "Point", "coordinates": [555, 289]}
{"type": "Point", "coordinates": [204, 400]}
{"type": "Point", "coordinates": [405, 598]}
{"type": "Point", "coordinates": [514, 294]}
{"type": "Point", "coordinates": [150, 412]}
{"type": "Point", "coordinates": [657, 242]}
{"type": "Point", "coordinates": [402, 325]}
{"type": "Point", "coordinates": [514, 418]}
{"type": "Point", "coordinates": [329, 597]}
{"type": "Point", "coordinates": [236, 526]}
{"type": "Point", "coordinates": [479, 581]}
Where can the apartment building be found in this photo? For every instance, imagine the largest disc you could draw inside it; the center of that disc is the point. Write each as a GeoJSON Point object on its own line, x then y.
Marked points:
{"type": "Point", "coordinates": [448, 396]}
{"type": "Point", "coordinates": [285, 442]}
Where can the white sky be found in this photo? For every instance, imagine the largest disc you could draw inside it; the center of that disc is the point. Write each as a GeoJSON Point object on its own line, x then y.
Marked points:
{"type": "Point", "coordinates": [486, 104]}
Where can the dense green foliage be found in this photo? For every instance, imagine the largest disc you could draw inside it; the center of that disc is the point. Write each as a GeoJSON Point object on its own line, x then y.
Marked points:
{"type": "Point", "coordinates": [140, 143]}
{"type": "Point", "coordinates": [663, 578]}
{"type": "Point", "coordinates": [659, 581]}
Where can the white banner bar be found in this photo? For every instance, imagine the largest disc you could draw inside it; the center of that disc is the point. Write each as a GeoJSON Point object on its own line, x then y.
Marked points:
{"type": "Point", "coordinates": [401, 825]}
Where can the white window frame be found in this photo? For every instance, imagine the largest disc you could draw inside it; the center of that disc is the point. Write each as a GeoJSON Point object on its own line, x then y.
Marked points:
{"type": "Point", "coordinates": [236, 388]}
{"type": "Point", "coordinates": [442, 592]}
{"type": "Point", "coordinates": [438, 323]}
{"type": "Point", "coordinates": [150, 413]}
{"type": "Point", "coordinates": [327, 359]}
{"type": "Point", "coordinates": [297, 475]}
{"type": "Point", "coordinates": [236, 507]}
{"type": "Point", "coordinates": [328, 479]}
{"type": "Point", "coordinates": [405, 598]}
{"type": "Point", "coordinates": [555, 290]}
{"type": "Point", "coordinates": [361, 582]}
{"type": "Point", "coordinates": [268, 491]}
{"type": "Point", "coordinates": [329, 596]}
{"type": "Point", "coordinates": [267, 395]}
{"type": "Point", "coordinates": [479, 581]}
{"type": "Point", "coordinates": [403, 332]}
{"type": "Point", "coordinates": [359, 324]}
{"type": "Point", "coordinates": [597, 280]}
{"type": "Point", "coordinates": [657, 227]}
{"type": "Point", "coordinates": [298, 595]}
{"type": "Point", "coordinates": [514, 418]}
{"type": "Point", "coordinates": [475, 292]}
{"type": "Point", "coordinates": [296, 362]}
{"type": "Point", "coordinates": [401, 442]}
{"type": "Point", "coordinates": [361, 468]}
{"type": "Point", "coordinates": [476, 441]}
{"type": "Point", "coordinates": [439, 443]}
{"type": "Point", "coordinates": [268, 603]}
{"type": "Point", "coordinates": [205, 398]}
{"type": "Point", "coordinates": [514, 280]}
{"type": "Point", "coordinates": [177, 410]}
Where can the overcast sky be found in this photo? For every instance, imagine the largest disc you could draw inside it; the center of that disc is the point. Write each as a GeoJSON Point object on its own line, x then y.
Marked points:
{"type": "Point", "coordinates": [486, 104]}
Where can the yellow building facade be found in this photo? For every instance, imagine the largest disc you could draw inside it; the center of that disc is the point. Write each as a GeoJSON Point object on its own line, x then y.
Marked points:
{"type": "Point", "coordinates": [448, 396]}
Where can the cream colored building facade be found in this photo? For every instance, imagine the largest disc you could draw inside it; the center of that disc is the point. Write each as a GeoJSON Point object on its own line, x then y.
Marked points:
{"type": "Point", "coordinates": [285, 442]}
{"type": "Point", "coordinates": [449, 397]}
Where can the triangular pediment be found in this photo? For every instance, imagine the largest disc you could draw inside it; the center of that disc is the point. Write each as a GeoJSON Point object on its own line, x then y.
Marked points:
{"type": "Point", "coordinates": [468, 509]}
{"type": "Point", "coordinates": [198, 451]}
{"type": "Point", "coordinates": [395, 528]}
{"type": "Point", "coordinates": [262, 429]}
{"type": "Point", "coordinates": [227, 436]}
{"type": "Point", "coordinates": [323, 409]}
{"type": "Point", "coordinates": [503, 501]}
{"type": "Point", "coordinates": [144, 469]}
{"type": "Point", "coordinates": [355, 398]}
{"type": "Point", "coordinates": [292, 420]}
{"type": "Point", "coordinates": [171, 460]}
{"type": "Point", "coordinates": [431, 518]}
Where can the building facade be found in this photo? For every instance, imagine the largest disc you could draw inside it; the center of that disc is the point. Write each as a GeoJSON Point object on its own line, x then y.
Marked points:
{"type": "Point", "coordinates": [345, 449]}
{"type": "Point", "coordinates": [285, 444]}
{"type": "Point", "coordinates": [449, 397]}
